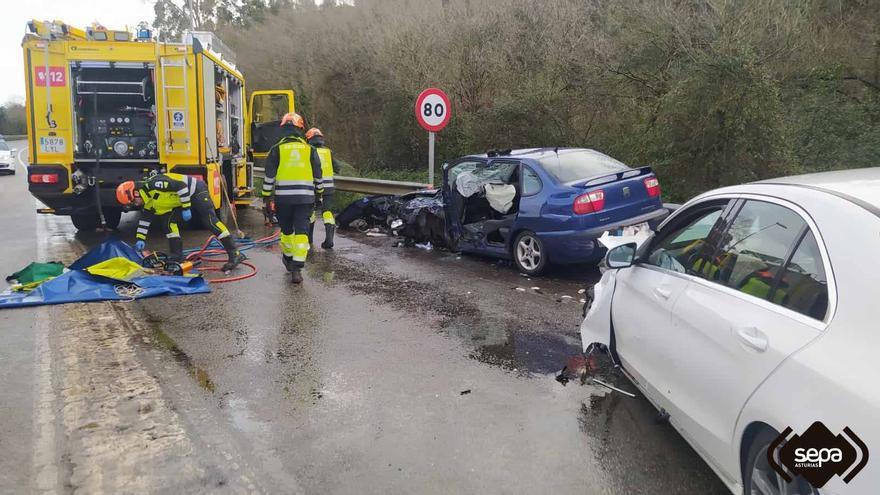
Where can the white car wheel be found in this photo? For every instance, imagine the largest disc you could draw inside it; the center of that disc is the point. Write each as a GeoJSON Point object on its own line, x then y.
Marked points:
{"type": "Point", "coordinates": [762, 479]}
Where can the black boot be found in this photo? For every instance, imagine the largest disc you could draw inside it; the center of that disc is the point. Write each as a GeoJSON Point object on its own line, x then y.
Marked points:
{"type": "Point", "coordinates": [233, 254]}
{"type": "Point", "coordinates": [288, 262]}
{"type": "Point", "coordinates": [329, 230]}
{"type": "Point", "coordinates": [175, 249]}
{"type": "Point", "coordinates": [311, 232]}
{"type": "Point", "coordinates": [296, 276]}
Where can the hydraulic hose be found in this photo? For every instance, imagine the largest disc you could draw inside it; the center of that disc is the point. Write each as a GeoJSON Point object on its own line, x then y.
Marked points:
{"type": "Point", "coordinates": [212, 252]}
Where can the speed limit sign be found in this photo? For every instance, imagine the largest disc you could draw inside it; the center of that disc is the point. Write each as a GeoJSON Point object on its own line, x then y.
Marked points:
{"type": "Point", "coordinates": [432, 112]}
{"type": "Point", "coordinates": [432, 109]}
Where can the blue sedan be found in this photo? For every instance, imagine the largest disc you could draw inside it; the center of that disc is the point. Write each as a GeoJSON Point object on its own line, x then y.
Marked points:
{"type": "Point", "coordinates": [545, 205]}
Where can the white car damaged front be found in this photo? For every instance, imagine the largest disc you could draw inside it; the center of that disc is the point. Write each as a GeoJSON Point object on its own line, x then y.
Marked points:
{"type": "Point", "coordinates": [596, 327]}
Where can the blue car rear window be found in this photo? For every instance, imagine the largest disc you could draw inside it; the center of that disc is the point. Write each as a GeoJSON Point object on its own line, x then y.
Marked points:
{"type": "Point", "coordinates": [570, 165]}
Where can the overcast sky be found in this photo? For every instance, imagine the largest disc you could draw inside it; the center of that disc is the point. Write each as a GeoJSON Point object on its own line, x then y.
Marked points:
{"type": "Point", "coordinates": [79, 13]}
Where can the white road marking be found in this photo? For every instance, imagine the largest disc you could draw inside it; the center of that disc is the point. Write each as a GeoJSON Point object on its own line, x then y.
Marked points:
{"type": "Point", "coordinates": [20, 160]}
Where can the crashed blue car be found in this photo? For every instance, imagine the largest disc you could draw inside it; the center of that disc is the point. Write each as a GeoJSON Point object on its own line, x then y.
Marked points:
{"type": "Point", "coordinates": [546, 205]}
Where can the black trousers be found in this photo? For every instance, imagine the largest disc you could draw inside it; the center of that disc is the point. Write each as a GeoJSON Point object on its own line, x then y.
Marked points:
{"type": "Point", "coordinates": [294, 219]}
{"type": "Point", "coordinates": [204, 210]}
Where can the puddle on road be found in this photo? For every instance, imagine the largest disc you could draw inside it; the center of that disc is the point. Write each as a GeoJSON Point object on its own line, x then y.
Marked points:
{"type": "Point", "coordinates": [240, 414]}
{"type": "Point", "coordinates": [504, 343]}
{"type": "Point", "coordinates": [496, 340]}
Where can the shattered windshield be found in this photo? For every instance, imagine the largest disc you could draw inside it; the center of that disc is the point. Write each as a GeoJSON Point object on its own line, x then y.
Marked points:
{"type": "Point", "coordinates": [468, 176]}
{"type": "Point", "coordinates": [568, 165]}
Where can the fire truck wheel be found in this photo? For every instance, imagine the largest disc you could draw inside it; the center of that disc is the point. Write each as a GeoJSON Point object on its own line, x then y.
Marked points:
{"type": "Point", "coordinates": [88, 222]}
{"type": "Point", "coordinates": [85, 221]}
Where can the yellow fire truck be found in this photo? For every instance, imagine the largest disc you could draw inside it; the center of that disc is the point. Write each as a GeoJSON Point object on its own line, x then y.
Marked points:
{"type": "Point", "coordinates": [106, 106]}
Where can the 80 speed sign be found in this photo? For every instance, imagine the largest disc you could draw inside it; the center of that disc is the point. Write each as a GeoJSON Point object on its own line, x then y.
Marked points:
{"type": "Point", "coordinates": [432, 109]}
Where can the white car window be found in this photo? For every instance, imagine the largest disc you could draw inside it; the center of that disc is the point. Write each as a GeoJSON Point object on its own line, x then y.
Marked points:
{"type": "Point", "coordinates": [680, 250]}
{"type": "Point", "coordinates": [754, 248]}
{"type": "Point", "coordinates": [803, 286]}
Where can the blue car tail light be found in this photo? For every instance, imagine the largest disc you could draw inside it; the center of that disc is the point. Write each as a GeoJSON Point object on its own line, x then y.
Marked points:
{"type": "Point", "coordinates": [590, 202]}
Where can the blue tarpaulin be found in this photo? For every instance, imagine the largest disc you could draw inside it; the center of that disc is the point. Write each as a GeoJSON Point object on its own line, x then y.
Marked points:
{"type": "Point", "coordinates": [77, 285]}
{"type": "Point", "coordinates": [104, 251]}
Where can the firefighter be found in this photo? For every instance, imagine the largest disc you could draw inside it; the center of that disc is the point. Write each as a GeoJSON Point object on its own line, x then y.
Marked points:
{"type": "Point", "coordinates": [328, 167]}
{"type": "Point", "coordinates": [293, 175]}
{"type": "Point", "coordinates": [168, 197]}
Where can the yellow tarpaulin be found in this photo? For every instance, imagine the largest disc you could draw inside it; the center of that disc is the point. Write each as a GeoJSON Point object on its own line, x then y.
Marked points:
{"type": "Point", "coordinates": [118, 268]}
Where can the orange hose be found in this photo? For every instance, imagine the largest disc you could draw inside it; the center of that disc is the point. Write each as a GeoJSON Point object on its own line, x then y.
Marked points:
{"type": "Point", "coordinates": [236, 278]}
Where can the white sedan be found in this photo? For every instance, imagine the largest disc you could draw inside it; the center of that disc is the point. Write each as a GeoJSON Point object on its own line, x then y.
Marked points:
{"type": "Point", "coordinates": [7, 158]}
{"type": "Point", "coordinates": [754, 309]}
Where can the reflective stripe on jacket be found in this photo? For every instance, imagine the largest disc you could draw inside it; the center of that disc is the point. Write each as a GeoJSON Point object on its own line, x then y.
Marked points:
{"type": "Point", "coordinates": [165, 192]}
{"type": "Point", "coordinates": [326, 169]}
{"type": "Point", "coordinates": [293, 172]}
{"type": "Point", "coordinates": [162, 193]}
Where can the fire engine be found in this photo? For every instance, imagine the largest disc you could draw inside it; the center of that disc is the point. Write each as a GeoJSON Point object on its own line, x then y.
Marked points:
{"type": "Point", "coordinates": [105, 106]}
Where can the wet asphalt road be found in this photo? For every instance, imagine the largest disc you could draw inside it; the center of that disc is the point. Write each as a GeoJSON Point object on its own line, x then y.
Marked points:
{"type": "Point", "coordinates": [390, 370]}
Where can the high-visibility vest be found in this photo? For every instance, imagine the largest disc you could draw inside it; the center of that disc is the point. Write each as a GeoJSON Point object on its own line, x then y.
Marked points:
{"type": "Point", "coordinates": [326, 169]}
{"type": "Point", "coordinates": [161, 202]}
{"type": "Point", "coordinates": [294, 176]}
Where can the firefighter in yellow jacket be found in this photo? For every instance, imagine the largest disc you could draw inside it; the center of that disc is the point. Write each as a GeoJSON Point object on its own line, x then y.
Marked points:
{"type": "Point", "coordinates": [168, 198]}
{"type": "Point", "coordinates": [293, 176]}
{"type": "Point", "coordinates": [328, 167]}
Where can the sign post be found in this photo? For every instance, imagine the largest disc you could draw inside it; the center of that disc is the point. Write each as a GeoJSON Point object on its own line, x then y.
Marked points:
{"type": "Point", "coordinates": [432, 113]}
{"type": "Point", "coordinates": [430, 158]}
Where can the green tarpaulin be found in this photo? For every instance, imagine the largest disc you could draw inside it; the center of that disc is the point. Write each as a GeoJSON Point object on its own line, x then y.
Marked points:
{"type": "Point", "coordinates": [37, 272]}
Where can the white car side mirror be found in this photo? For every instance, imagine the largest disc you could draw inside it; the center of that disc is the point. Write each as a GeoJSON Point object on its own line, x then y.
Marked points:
{"type": "Point", "coordinates": [621, 256]}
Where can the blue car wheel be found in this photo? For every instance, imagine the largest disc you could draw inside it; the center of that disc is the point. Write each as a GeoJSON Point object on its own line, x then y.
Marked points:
{"type": "Point", "coordinates": [529, 253]}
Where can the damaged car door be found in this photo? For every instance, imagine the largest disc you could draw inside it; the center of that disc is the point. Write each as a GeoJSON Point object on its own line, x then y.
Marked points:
{"type": "Point", "coordinates": [481, 199]}
{"type": "Point", "coordinates": [760, 297]}
{"type": "Point", "coordinates": [645, 293]}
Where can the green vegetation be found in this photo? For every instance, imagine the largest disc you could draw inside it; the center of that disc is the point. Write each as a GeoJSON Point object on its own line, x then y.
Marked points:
{"type": "Point", "coordinates": [709, 92]}
{"type": "Point", "coordinates": [12, 119]}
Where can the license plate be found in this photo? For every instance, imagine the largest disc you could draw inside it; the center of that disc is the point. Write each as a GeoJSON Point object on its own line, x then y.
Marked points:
{"type": "Point", "coordinates": [52, 145]}
{"type": "Point", "coordinates": [632, 229]}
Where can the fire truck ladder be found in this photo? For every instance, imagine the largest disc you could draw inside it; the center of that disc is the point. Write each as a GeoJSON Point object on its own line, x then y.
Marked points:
{"type": "Point", "coordinates": [176, 117]}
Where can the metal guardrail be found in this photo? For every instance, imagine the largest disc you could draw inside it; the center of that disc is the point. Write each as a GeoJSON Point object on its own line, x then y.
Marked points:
{"type": "Point", "coordinates": [368, 186]}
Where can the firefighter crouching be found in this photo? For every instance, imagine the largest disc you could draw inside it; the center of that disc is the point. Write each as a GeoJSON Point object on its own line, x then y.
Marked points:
{"type": "Point", "coordinates": [293, 174]}
{"type": "Point", "coordinates": [168, 197]}
{"type": "Point", "coordinates": [325, 206]}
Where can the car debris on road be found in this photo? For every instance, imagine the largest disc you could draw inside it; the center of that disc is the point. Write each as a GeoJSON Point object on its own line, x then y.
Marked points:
{"type": "Point", "coordinates": [416, 218]}
{"type": "Point", "coordinates": [612, 387]}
